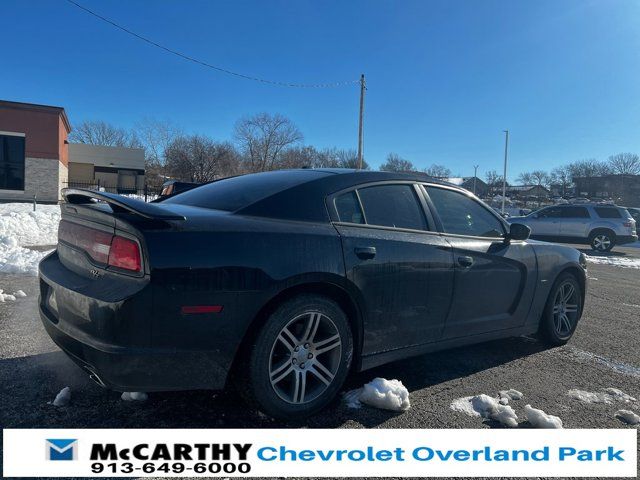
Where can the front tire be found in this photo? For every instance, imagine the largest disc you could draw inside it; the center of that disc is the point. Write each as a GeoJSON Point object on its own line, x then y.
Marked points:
{"type": "Point", "coordinates": [602, 240]}
{"type": "Point", "coordinates": [301, 357]}
{"type": "Point", "coordinates": [562, 311]}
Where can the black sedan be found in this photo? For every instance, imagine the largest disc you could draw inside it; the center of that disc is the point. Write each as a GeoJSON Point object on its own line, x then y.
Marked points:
{"type": "Point", "coordinates": [286, 281]}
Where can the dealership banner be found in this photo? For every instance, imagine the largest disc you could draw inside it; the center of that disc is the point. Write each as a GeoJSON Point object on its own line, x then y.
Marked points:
{"type": "Point", "coordinates": [319, 453]}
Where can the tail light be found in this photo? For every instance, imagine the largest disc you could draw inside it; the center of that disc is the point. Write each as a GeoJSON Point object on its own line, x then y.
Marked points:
{"type": "Point", "coordinates": [628, 224]}
{"type": "Point", "coordinates": [103, 247]}
{"type": "Point", "coordinates": [125, 253]}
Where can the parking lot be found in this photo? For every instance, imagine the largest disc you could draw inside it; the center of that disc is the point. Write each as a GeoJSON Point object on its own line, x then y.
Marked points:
{"type": "Point", "coordinates": [603, 353]}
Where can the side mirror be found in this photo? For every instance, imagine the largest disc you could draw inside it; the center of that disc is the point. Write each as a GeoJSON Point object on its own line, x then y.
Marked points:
{"type": "Point", "coordinates": [518, 231]}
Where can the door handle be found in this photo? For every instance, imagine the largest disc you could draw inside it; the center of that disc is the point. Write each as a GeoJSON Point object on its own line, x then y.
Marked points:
{"type": "Point", "coordinates": [465, 261]}
{"type": "Point", "coordinates": [365, 253]}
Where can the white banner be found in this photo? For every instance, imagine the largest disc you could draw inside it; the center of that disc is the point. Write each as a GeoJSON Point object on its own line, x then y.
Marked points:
{"type": "Point", "coordinates": [319, 453]}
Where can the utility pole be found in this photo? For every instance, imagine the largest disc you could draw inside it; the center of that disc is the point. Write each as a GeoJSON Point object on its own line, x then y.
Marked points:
{"type": "Point", "coordinates": [504, 177]}
{"type": "Point", "coordinates": [363, 87]}
{"type": "Point", "coordinates": [475, 177]}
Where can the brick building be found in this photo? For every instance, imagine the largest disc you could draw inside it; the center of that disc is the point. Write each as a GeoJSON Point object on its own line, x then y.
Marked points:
{"type": "Point", "coordinates": [34, 153]}
{"type": "Point", "coordinates": [36, 159]}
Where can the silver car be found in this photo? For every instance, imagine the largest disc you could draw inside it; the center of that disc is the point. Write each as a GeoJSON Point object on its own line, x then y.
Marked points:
{"type": "Point", "coordinates": [598, 225]}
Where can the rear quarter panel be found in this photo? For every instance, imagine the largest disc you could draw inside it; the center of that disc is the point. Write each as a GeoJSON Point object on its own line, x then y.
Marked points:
{"type": "Point", "coordinates": [239, 263]}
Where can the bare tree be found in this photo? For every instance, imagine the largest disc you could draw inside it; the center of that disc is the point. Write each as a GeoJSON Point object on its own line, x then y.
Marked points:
{"type": "Point", "coordinates": [155, 136]}
{"type": "Point", "coordinates": [262, 138]}
{"type": "Point", "coordinates": [395, 163]}
{"type": "Point", "coordinates": [299, 157]}
{"type": "Point", "coordinates": [199, 159]}
{"type": "Point", "coordinates": [525, 178]}
{"type": "Point", "coordinates": [97, 132]}
{"type": "Point", "coordinates": [625, 163]}
{"type": "Point", "coordinates": [339, 158]}
{"type": "Point", "coordinates": [494, 181]}
{"type": "Point", "coordinates": [436, 170]}
{"type": "Point", "coordinates": [562, 177]}
{"type": "Point", "coordinates": [588, 168]}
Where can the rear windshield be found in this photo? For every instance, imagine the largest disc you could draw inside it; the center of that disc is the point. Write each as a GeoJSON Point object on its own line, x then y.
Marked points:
{"type": "Point", "coordinates": [235, 193]}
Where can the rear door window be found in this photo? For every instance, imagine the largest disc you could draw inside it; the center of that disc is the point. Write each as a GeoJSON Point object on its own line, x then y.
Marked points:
{"type": "Point", "coordinates": [348, 208]}
{"type": "Point", "coordinates": [607, 212]}
{"type": "Point", "coordinates": [392, 206]}
{"type": "Point", "coordinates": [574, 212]}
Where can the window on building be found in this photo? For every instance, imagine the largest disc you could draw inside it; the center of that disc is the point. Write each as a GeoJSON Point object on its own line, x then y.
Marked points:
{"type": "Point", "coordinates": [463, 215]}
{"type": "Point", "coordinates": [11, 162]}
{"type": "Point", "coordinates": [392, 206]}
{"type": "Point", "coordinates": [607, 212]}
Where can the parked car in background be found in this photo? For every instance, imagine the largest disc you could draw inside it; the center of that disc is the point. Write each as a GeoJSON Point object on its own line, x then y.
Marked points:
{"type": "Point", "coordinates": [284, 282]}
{"type": "Point", "coordinates": [599, 225]}
{"type": "Point", "coordinates": [635, 213]}
{"type": "Point", "coordinates": [173, 187]}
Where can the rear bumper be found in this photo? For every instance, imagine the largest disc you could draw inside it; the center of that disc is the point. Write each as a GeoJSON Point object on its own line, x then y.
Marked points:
{"type": "Point", "coordinates": [138, 370]}
{"type": "Point", "coordinates": [108, 334]}
{"type": "Point", "coordinates": [623, 239]}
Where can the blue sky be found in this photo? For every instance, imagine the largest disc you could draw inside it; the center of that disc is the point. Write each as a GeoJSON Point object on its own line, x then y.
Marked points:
{"type": "Point", "coordinates": [445, 78]}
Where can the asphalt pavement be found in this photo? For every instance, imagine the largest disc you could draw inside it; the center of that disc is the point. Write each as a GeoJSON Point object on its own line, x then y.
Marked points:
{"type": "Point", "coordinates": [603, 353]}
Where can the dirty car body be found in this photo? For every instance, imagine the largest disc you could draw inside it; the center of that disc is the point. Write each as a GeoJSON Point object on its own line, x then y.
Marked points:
{"type": "Point", "coordinates": [213, 263]}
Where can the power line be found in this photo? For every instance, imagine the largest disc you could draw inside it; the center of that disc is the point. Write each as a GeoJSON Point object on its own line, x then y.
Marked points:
{"type": "Point", "coordinates": [208, 65]}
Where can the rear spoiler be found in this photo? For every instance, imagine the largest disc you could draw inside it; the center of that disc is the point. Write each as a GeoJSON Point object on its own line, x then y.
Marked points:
{"type": "Point", "coordinates": [119, 203]}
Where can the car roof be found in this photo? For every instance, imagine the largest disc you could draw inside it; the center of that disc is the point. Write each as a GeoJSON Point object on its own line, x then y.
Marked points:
{"type": "Point", "coordinates": [305, 200]}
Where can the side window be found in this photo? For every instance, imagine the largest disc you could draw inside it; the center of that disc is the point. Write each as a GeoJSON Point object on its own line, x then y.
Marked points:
{"type": "Point", "coordinates": [607, 212]}
{"type": "Point", "coordinates": [464, 216]}
{"type": "Point", "coordinates": [574, 212]}
{"type": "Point", "coordinates": [392, 206]}
{"type": "Point", "coordinates": [550, 212]}
{"type": "Point", "coordinates": [348, 208]}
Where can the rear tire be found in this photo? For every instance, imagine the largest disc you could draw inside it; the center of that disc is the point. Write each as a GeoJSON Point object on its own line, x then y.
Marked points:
{"type": "Point", "coordinates": [300, 359]}
{"type": "Point", "coordinates": [602, 240]}
{"type": "Point", "coordinates": [562, 311]}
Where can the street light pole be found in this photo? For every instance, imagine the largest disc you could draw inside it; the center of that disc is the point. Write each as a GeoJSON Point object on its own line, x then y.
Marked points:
{"type": "Point", "coordinates": [475, 177]}
{"type": "Point", "coordinates": [363, 87]}
{"type": "Point", "coordinates": [504, 176]}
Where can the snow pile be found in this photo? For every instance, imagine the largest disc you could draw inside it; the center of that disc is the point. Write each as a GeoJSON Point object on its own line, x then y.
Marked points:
{"type": "Point", "coordinates": [62, 398]}
{"type": "Point", "coordinates": [380, 393]}
{"type": "Point", "coordinates": [6, 297]}
{"type": "Point", "coordinates": [615, 261]}
{"type": "Point", "coordinates": [16, 259]}
{"type": "Point", "coordinates": [627, 416]}
{"type": "Point", "coordinates": [20, 226]}
{"type": "Point", "coordinates": [608, 395]}
{"type": "Point", "coordinates": [19, 221]}
{"type": "Point", "coordinates": [511, 394]}
{"type": "Point", "coordinates": [486, 407]}
{"type": "Point", "coordinates": [134, 396]}
{"type": "Point", "coordinates": [539, 419]}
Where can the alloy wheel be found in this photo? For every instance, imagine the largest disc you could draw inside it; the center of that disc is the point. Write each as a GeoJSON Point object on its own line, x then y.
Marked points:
{"type": "Point", "coordinates": [305, 358]}
{"type": "Point", "coordinates": [565, 309]}
{"type": "Point", "coordinates": [601, 242]}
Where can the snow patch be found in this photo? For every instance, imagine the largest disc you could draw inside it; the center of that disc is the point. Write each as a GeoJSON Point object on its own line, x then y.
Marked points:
{"type": "Point", "coordinates": [62, 398]}
{"type": "Point", "coordinates": [6, 297]}
{"type": "Point", "coordinates": [20, 293]}
{"type": "Point", "coordinates": [380, 393]}
{"type": "Point", "coordinates": [486, 407]}
{"type": "Point", "coordinates": [627, 416]}
{"type": "Point", "coordinates": [511, 394]}
{"type": "Point", "coordinates": [608, 395]}
{"type": "Point", "coordinates": [623, 262]}
{"type": "Point", "coordinates": [20, 222]}
{"type": "Point", "coordinates": [539, 419]}
{"type": "Point", "coordinates": [134, 396]}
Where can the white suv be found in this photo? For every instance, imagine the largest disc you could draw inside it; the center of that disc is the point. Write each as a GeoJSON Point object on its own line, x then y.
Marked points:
{"type": "Point", "coordinates": [601, 226]}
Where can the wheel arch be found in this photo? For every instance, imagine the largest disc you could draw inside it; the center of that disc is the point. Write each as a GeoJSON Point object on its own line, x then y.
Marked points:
{"type": "Point", "coordinates": [328, 289]}
{"type": "Point", "coordinates": [579, 274]}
